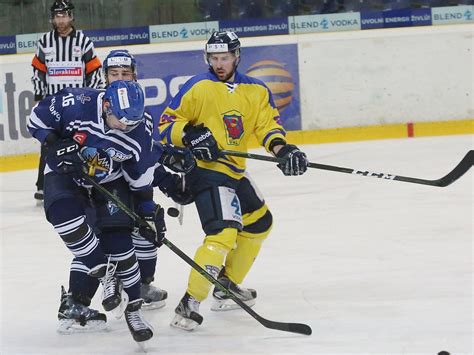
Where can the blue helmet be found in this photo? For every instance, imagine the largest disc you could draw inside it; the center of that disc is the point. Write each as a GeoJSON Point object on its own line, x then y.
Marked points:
{"type": "Point", "coordinates": [120, 58]}
{"type": "Point", "coordinates": [127, 102]}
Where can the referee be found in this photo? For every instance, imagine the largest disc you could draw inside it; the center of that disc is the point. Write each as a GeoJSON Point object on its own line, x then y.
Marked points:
{"type": "Point", "coordinates": [65, 57]}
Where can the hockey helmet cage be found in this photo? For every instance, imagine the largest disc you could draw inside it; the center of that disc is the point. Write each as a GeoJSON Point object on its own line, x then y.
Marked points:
{"type": "Point", "coordinates": [127, 102]}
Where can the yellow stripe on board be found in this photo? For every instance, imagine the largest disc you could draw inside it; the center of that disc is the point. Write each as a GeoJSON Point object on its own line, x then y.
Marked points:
{"type": "Point", "coordinates": [347, 134]}
{"type": "Point", "coordinates": [19, 162]}
{"type": "Point", "coordinates": [443, 128]}
{"type": "Point", "coordinates": [352, 134]}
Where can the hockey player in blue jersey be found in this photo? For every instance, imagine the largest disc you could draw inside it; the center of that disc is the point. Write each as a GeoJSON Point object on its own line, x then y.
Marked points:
{"type": "Point", "coordinates": [121, 65]}
{"type": "Point", "coordinates": [107, 133]}
{"type": "Point", "coordinates": [118, 65]}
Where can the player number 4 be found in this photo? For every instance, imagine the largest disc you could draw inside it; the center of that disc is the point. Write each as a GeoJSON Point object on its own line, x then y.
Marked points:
{"type": "Point", "coordinates": [235, 203]}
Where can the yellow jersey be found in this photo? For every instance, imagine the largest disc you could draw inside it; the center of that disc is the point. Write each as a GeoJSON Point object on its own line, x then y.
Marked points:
{"type": "Point", "coordinates": [233, 112]}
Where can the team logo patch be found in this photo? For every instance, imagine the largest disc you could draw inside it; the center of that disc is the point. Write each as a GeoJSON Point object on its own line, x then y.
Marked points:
{"type": "Point", "coordinates": [80, 137]}
{"type": "Point", "coordinates": [234, 126]}
{"type": "Point", "coordinates": [83, 98]}
{"type": "Point", "coordinates": [76, 51]}
{"type": "Point", "coordinates": [112, 207]}
{"type": "Point", "coordinates": [167, 118]}
{"type": "Point", "coordinates": [117, 155]}
{"type": "Point", "coordinates": [99, 163]}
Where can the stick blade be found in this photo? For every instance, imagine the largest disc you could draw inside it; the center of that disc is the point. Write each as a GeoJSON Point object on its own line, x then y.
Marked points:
{"type": "Point", "coordinates": [300, 328]}
{"type": "Point", "coordinates": [460, 169]}
{"type": "Point", "coordinates": [297, 328]}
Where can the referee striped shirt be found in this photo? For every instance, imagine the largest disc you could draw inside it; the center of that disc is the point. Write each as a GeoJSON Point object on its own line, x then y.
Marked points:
{"type": "Point", "coordinates": [62, 62]}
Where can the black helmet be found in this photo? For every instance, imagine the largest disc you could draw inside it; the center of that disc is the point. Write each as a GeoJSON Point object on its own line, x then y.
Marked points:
{"type": "Point", "coordinates": [223, 42]}
{"type": "Point", "coordinates": [61, 6]}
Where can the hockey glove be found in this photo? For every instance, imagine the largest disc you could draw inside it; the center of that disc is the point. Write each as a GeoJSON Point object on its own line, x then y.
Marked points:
{"type": "Point", "coordinates": [64, 157]}
{"type": "Point", "coordinates": [295, 162]}
{"type": "Point", "coordinates": [172, 186]}
{"type": "Point", "coordinates": [155, 216]}
{"type": "Point", "coordinates": [201, 142]}
{"type": "Point", "coordinates": [177, 159]}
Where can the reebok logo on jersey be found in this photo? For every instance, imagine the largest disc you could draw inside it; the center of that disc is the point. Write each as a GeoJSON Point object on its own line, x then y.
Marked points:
{"type": "Point", "coordinates": [203, 137]}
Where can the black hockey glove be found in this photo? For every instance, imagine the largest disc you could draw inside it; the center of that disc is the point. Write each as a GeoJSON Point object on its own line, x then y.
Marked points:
{"type": "Point", "coordinates": [155, 216]}
{"type": "Point", "coordinates": [172, 186]}
{"type": "Point", "coordinates": [177, 159]}
{"type": "Point", "coordinates": [64, 157]}
{"type": "Point", "coordinates": [201, 142]}
{"type": "Point", "coordinates": [295, 162]}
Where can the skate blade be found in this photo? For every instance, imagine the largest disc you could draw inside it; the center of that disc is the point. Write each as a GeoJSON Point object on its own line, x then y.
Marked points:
{"type": "Point", "coordinates": [118, 311]}
{"type": "Point", "coordinates": [70, 326]}
{"type": "Point", "coordinates": [183, 323]}
{"type": "Point", "coordinates": [143, 345]}
{"type": "Point", "coordinates": [229, 305]}
{"type": "Point", "coordinates": [153, 305]}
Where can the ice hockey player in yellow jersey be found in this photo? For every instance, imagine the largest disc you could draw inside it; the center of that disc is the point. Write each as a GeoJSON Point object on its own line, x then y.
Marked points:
{"type": "Point", "coordinates": [217, 110]}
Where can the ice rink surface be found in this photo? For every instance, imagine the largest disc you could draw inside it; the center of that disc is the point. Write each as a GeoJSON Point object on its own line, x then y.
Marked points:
{"type": "Point", "coordinates": [373, 266]}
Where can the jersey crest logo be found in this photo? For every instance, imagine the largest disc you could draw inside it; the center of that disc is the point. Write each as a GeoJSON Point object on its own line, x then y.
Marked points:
{"type": "Point", "coordinates": [98, 162]}
{"type": "Point", "coordinates": [234, 126]}
{"type": "Point", "coordinates": [80, 137]}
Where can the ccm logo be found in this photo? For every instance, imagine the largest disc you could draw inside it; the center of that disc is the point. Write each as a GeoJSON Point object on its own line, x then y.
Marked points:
{"type": "Point", "coordinates": [66, 150]}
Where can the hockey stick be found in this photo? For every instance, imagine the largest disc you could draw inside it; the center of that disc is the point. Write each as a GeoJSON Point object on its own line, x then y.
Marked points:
{"type": "Point", "coordinates": [460, 169]}
{"type": "Point", "coordinates": [178, 206]}
{"type": "Point", "coordinates": [287, 327]}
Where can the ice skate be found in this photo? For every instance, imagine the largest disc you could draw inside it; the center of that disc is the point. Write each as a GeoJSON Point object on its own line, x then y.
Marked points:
{"type": "Point", "coordinates": [75, 317]}
{"type": "Point", "coordinates": [153, 297]}
{"type": "Point", "coordinates": [187, 314]}
{"type": "Point", "coordinates": [141, 330]}
{"type": "Point", "coordinates": [223, 302]}
{"type": "Point", "coordinates": [114, 298]}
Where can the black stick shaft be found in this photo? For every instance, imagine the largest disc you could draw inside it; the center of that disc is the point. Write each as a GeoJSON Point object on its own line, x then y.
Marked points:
{"type": "Point", "coordinates": [460, 169]}
{"type": "Point", "coordinates": [288, 327]}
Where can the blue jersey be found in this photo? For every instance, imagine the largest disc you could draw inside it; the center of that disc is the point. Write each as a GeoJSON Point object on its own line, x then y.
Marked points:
{"type": "Point", "coordinates": [77, 113]}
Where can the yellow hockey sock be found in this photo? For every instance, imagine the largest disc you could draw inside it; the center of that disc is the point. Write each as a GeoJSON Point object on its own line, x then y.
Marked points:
{"type": "Point", "coordinates": [240, 259]}
{"type": "Point", "coordinates": [210, 256]}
